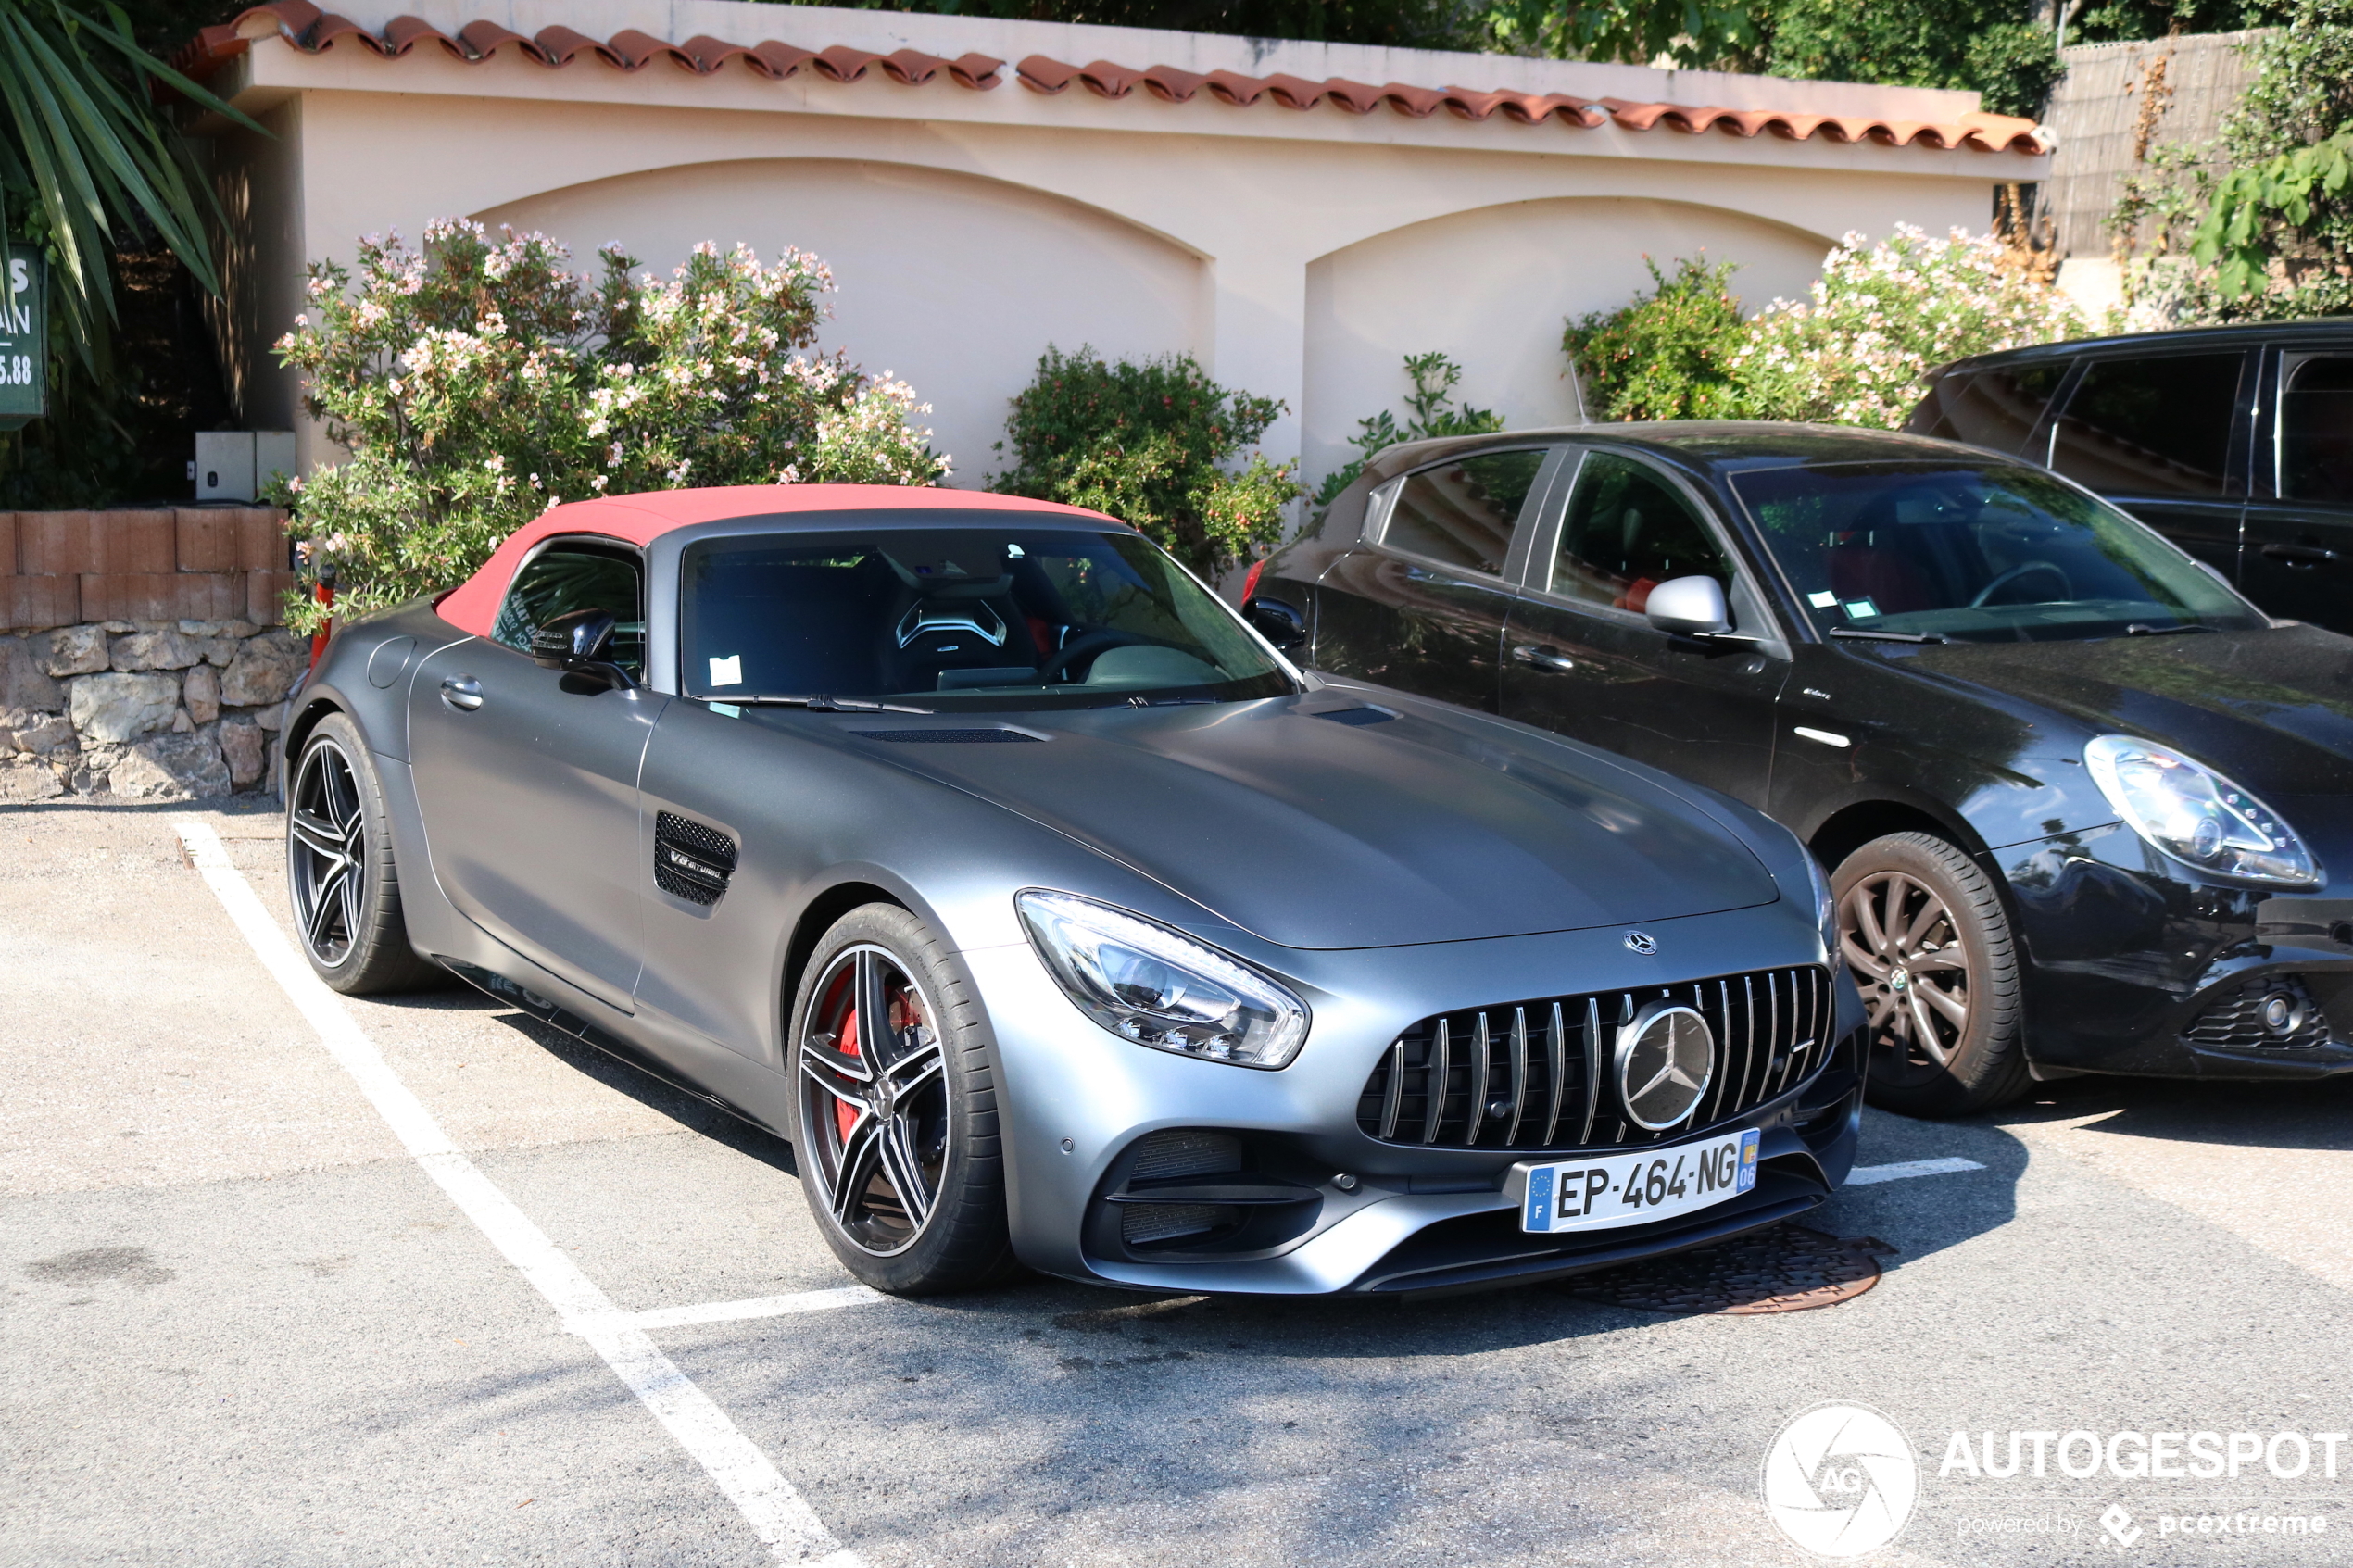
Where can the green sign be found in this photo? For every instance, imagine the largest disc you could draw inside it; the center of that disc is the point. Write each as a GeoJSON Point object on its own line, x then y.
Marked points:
{"type": "Point", "coordinates": [24, 341]}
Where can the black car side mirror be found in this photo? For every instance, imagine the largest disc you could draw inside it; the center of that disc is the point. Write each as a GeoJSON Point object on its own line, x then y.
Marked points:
{"type": "Point", "coordinates": [580, 643]}
{"type": "Point", "coordinates": [1276, 621]}
{"type": "Point", "coordinates": [1689, 607]}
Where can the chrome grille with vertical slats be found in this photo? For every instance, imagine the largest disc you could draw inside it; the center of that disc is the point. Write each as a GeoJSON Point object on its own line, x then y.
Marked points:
{"type": "Point", "coordinates": [1535, 1074]}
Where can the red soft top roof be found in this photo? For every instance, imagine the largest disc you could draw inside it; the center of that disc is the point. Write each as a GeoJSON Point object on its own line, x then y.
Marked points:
{"type": "Point", "coordinates": [640, 519]}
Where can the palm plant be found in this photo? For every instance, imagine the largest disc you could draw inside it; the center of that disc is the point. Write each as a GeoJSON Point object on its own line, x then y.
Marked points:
{"type": "Point", "coordinates": [85, 137]}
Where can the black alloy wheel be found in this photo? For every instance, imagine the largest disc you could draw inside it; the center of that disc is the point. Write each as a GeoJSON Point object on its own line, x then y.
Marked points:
{"type": "Point", "coordinates": [875, 1100]}
{"type": "Point", "coordinates": [326, 852]}
{"type": "Point", "coordinates": [1923, 930]}
{"type": "Point", "coordinates": [896, 1110]}
{"type": "Point", "coordinates": [339, 870]}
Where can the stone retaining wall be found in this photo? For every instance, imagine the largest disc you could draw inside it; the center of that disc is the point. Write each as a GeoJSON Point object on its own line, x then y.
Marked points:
{"type": "Point", "coordinates": [139, 657]}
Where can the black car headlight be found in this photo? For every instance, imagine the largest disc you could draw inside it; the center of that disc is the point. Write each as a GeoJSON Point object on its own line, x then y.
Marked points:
{"type": "Point", "coordinates": [1159, 987]}
{"type": "Point", "coordinates": [2194, 815]}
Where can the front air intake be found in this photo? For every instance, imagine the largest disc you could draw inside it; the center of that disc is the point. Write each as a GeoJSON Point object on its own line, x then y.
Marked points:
{"type": "Point", "coordinates": [1536, 1075]}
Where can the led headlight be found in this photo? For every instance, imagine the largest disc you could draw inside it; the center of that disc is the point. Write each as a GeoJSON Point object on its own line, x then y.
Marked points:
{"type": "Point", "coordinates": [2195, 815]}
{"type": "Point", "coordinates": [1161, 988]}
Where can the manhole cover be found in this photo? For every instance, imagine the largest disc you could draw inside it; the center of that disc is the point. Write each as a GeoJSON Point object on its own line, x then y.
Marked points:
{"type": "Point", "coordinates": [1785, 1268]}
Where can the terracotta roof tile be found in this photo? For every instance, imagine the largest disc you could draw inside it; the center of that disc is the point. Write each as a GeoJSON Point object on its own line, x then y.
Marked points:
{"type": "Point", "coordinates": [305, 27]}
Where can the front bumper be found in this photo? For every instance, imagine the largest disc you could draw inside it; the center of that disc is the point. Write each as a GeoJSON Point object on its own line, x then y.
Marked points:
{"type": "Point", "coordinates": [2135, 963]}
{"type": "Point", "coordinates": [1362, 1215]}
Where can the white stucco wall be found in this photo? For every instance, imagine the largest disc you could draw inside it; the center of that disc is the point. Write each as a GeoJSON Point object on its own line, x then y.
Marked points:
{"type": "Point", "coordinates": [932, 311]}
{"type": "Point", "coordinates": [1298, 254]}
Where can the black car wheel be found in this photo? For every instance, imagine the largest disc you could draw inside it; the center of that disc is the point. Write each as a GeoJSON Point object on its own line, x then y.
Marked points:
{"type": "Point", "coordinates": [339, 870]}
{"type": "Point", "coordinates": [1924, 931]}
{"type": "Point", "coordinates": [896, 1138]}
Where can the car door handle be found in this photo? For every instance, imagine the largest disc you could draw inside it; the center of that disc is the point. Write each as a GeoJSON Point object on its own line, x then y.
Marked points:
{"type": "Point", "coordinates": [461, 692]}
{"type": "Point", "coordinates": [1543, 656]}
{"type": "Point", "coordinates": [2303, 557]}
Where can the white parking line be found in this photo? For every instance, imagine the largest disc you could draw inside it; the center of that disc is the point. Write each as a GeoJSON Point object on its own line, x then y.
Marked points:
{"type": "Point", "coordinates": [782, 1518]}
{"type": "Point", "coordinates": [1864, 1175]}
{"type": "Point", "coordinates": [758, 1307]}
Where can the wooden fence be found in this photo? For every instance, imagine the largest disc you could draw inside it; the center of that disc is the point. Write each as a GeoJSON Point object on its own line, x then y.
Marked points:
{"type": "Point", "coordinates": [2117, 102]}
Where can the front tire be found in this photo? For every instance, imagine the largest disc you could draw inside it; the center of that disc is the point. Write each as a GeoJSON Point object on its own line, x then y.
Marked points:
{"type": "Point", "coordinates": [339, 870]}
{"type": "Point", "coordinates": [1923, 929]}
{"type": "Point", "coordinates": [895, 1131]}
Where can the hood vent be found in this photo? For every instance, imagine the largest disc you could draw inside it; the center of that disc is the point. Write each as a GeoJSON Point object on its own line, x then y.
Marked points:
{"type": "Point", "coordinates": [947, 737]}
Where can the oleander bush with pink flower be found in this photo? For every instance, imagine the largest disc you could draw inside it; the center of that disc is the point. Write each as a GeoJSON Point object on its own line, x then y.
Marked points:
{"type": "Point", "coordinates": [1856, 352]}
{"type": "Point", "coordinates": [474, 382]}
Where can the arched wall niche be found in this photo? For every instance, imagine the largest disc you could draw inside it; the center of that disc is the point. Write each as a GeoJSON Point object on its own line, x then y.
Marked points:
{"type": "Point", "coordinates": [953, 281]}
{"type": "Point", "coordinates": [1495, 286]}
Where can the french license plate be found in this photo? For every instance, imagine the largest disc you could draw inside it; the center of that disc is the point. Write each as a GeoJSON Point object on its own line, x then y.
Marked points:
{"type": "Point", "coordinates": [1634, 1189]}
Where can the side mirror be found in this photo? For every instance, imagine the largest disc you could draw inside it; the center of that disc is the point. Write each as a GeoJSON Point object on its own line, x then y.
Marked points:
{"type": "Point", "coordinates": [1689, 607]}
{"type": "Point", "coordinates": [1276, 621]}
{"type": "Point", "coordinates": [580, 643]}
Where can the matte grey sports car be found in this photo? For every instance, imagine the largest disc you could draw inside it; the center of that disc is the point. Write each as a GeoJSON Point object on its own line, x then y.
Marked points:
{"type": "Point", "coordinates": [972, 846]}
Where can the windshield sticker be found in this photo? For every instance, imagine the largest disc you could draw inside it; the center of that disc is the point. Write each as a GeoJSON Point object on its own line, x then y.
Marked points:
{"type": "Point", "coordinates": [1857, 609]}
{"type": "Point", "coordinates": [727, 672]}
{"type": "Point", "coordinates": [1821, 601]}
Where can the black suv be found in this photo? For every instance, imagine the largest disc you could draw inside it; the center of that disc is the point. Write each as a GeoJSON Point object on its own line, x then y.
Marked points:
{"type": "Point", "coordinates": [2236, 443]}
{"type": "Point", "coordinates": [2088, 809]}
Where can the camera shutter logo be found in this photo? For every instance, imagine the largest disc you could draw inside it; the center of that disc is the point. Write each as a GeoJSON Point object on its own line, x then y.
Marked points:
{"type": "Point", "coordinates": [1840, 1480]}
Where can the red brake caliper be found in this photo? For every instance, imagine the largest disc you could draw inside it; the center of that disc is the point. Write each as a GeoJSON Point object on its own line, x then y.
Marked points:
{"type": "Point", "coordinates": [845, 1114]}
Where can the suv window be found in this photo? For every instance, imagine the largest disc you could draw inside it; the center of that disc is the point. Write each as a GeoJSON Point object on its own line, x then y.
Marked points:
{"type": "Point", "coordinates": [2150, 427]}
{"type": "Point", "coordinates": [1462, 512]}
{"type": "Point", "coordinates": [558, 581]}
{"type": "Point", "coordinates": [1627, 532]}
{"type": "Point", "coordinates": [1998, 409]}
{"type": "Point", "coordinates": [2316, 429]}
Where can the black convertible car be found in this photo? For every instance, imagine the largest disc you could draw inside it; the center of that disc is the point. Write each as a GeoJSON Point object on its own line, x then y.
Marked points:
{"type": "Point", "coordinates": [2087, 807]}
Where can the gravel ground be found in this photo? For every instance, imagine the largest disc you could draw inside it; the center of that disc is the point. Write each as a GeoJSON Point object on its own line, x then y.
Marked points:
{"type": "Point", "coordinates": [241, 1326]}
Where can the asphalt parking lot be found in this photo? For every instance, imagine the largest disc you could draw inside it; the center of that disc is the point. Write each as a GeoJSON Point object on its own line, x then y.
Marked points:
{"type": "Point", "coordinates": [244, 1323]}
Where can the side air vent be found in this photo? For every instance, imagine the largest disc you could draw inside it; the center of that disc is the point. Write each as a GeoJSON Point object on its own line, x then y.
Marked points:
{"type": "Point", "coordinates": [691, 859]}
{"type": "Point", "coordinates": [946, 737]}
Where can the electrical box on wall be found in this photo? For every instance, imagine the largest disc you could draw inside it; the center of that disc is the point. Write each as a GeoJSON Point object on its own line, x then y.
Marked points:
{"type": "Point", "coordinates": [235, 465]}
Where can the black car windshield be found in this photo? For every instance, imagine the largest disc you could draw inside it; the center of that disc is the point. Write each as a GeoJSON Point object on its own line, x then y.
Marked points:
{"type": "Point", "coordinates": [1991, 553]}
{"type": "Point", "coordinates": [960, 616]}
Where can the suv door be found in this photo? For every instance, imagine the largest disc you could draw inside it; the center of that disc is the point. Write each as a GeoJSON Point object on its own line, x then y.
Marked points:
{"type": "Point", "coordinates": [1583, 661]}
{"type": "Point", "coordinates": [2165, 437]}
{"type": "Point", "coordinates": [1420, 602]}
{"type": "Point", "coordinates": [527, 778]}
{"type": "Point", "coordinates": [2300, 524]}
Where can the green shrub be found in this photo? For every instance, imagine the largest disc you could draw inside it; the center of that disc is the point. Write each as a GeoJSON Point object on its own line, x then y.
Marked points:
{"type": "Point", "coordinates": [1666, 355]}
{"type": "Point", "coordinates": [1150, 443]}
{"type": "Point", "coordinates": [1858, 351]}
{"type": "Point", "coordinates": [476, 384]}
{"type": "Point", "coordinates": [1431, 412]}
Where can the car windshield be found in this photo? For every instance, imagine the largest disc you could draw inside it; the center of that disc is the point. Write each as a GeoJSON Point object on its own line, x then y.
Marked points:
{"type": "Point", "coordinates": [959, 617]}
{"type": "Point", "coordinates": [1990, 553]}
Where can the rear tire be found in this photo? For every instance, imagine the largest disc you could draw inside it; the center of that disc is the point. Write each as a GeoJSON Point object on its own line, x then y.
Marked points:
{"type": "Point", "coordinates": [894, 1135]}
{"type": "Point", "coordinates": [1923, 929]}
{"type": "Point", "coordinates": [340, 876]}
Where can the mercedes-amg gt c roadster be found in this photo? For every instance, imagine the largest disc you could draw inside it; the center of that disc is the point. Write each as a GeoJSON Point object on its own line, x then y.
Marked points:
{"type": "Point", "coordinates": [972, 846]}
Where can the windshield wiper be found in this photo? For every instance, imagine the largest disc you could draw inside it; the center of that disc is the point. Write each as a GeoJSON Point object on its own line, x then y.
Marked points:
{"type": "Point", "coordinates": [817, 704]}
{"type": "Point", "coordinates": [2143, 629]}
{"type": "Point", "coordinates": [1864, 634]}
